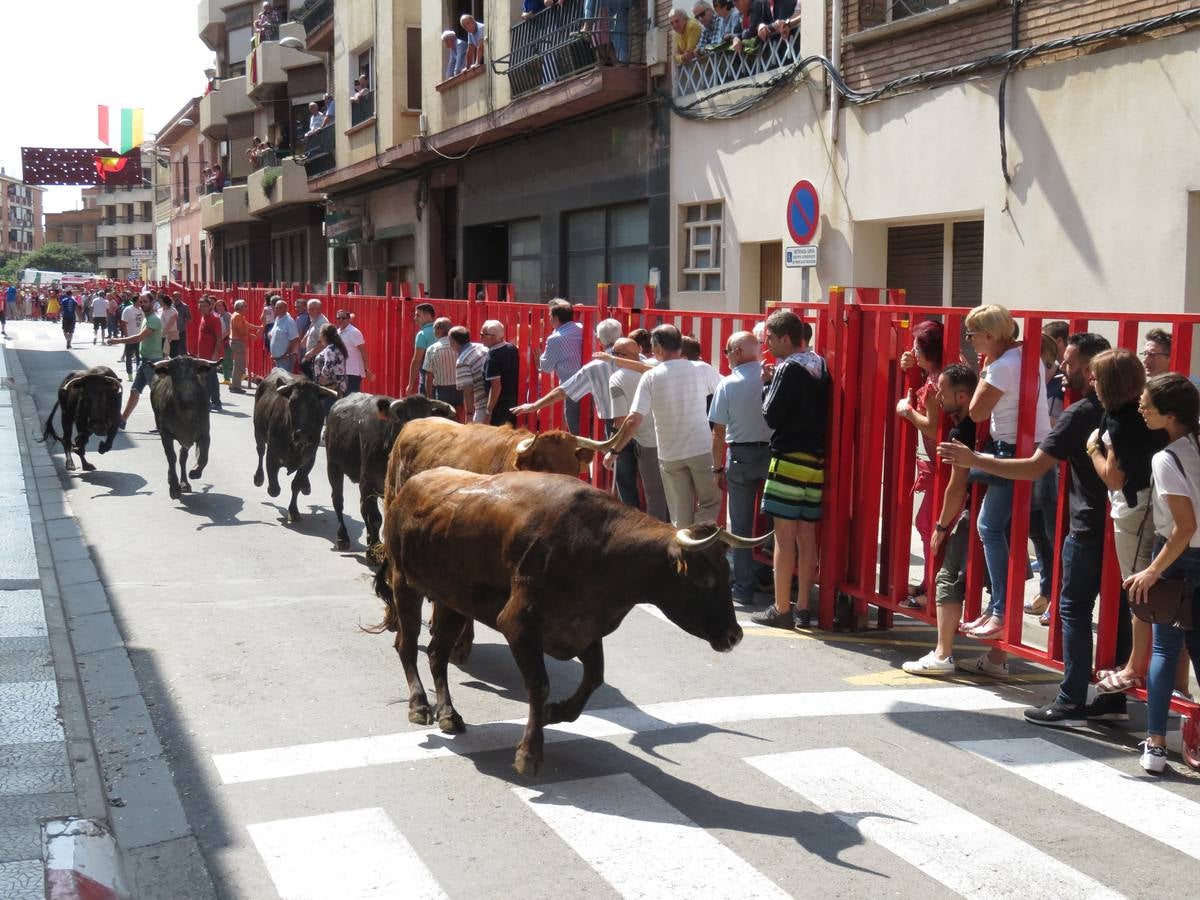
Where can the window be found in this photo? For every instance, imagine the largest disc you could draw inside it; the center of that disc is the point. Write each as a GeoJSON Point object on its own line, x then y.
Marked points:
{"type": "Point", "coordinates": [363, 66]}
{"type": "Point", "coordinates": [607, 245]}
{"type": "Point", "coordinates": [525, 257]}
{"type": "Point", "coordinates": [412, 63]}
{"type": "Point", "coordinates": [903, 9]}
{"type": "Point", "coordinates": [184, 180]}
{"type": "Point", "coordinates": [289, 257]}
{"type": "Point", "coordinates": [703, 253]}
{"type": "Point", "coordinates": [238, 36]}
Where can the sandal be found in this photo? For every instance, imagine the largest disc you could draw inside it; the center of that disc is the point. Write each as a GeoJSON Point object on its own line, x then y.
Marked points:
{"type": "Point", "coordinates": [913, 602]}
{"type": "Point", "coordinates": [916, 590]}
{"type": "Point", "coordinates": [968, 627]}
{"type": "Point", "coordinates": [988, 632]}
{"type": "Point", "coordinates": [1118, 683]}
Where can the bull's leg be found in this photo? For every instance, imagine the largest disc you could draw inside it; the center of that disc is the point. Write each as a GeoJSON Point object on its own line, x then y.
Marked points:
{"type": "Point", "coordinates": [201, 456]}
{"type": "Point", "coordinates": [520, 625]}
{"type": "Point", "coordinates": [462, 646]}
{"type": "Point", "coordinates": [258, 473]}
{"type": "Point", "coordinates": [593, 676]}
{"type": "Point", "coordinates": [408, 611]}
{"type": "Point", "coordinates": [368, 505]}
{"type": "Point", "coordinates": [184, 485]}
{"type": "Point", "coordinates": [336, 486]}
{"type": "Point", "coordinates": [168, 443]}
{"type": "Point", "coordinates": [68, 424]}
{"type": "Point", "coordinates": [81, 440]}
{"type": "Point", "coordinates": [273, 489]}
{"type": "Point", "coordinates": [449, 624]}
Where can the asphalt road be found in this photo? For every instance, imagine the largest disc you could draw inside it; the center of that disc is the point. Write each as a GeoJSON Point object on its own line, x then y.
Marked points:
{"type": "Point", "coordinates": [824, 770]}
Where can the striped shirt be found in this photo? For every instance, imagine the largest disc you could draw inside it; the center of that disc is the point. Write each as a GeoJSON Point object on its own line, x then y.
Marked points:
{"type": "Point", "coordinates": [469, 373]}
{"type": "Point", "coordinates": [440, 361]}
{"type": "Point", "coordinates": [564, 351]}
{"type": "Point", "coordinates": [676, 392]}
{"type": "Point", "coordinates": [592, 379]}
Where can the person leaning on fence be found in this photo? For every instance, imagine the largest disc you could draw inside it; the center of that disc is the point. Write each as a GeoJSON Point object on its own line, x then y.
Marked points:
{"type": "Point", "coordinates": [1121, 450]}
{"type": "Point", "coordinates": [796, 407]}
{"type": "Point", "coordinates": [643, 449]}
{"type": "Point", "coordinates": [284, 338]}
{"type": "Point", "coordinates": [728, 21]}
{"type": "Point", "coordinates": [456, 54]}
{"type": "Point", "coordinates": [1084, 545]}
{"type": "Point", "coordinates": [704, 14]}
{"type": "Point", "coordinates": [439, 365]}
{"type": "Point", "coordinates": [956, 386]}
{"type": "Point", "coordinates": [920, 410]}
{"type": "Point", "coordinates": [423, 316]}
{"type": "Point", "coordinates": [240, 332]}
{"type": "Point", "coordinates": [310, 343]}
{"type": "Point", "coordinates": [563, 353]}
{"type": "Point", "coordinates": [1171, 402]}
{"type": "Point", "coordinates": [476, 39]}
{"type": "Point", "coordinates": [471, 358]}
{"type": "Point", "coordinates": [741, 450]}
{"type": "Point", "coordinates": [685, 36]}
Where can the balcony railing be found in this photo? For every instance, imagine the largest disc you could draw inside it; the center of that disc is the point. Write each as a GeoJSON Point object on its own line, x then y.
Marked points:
{"type": "Point", "coordinates": [362, 109]}
{"type": "Point", "coordinates": [560, 41]}
{"type": "Point", "coordinates": [314, 14]}
{"type": "Point", "coordinates": [721, 65]}
{"type": "Point", "coordinates": [319, 152]}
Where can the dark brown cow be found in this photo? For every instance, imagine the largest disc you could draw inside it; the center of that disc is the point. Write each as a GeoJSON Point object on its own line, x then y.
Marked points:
{"type": "Point", "coordinates": [553, 565]}
{"type": "Point", "coordinates": [429, 443]}
{"type": "Point", "coordinates": [90, 401]}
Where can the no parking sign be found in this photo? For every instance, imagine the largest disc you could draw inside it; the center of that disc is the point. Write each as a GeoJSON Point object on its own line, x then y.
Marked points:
{"type": "Point", "coordinates": [803, 212]}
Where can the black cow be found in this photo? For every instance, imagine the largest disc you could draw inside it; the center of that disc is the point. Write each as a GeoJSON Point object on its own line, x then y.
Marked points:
{"type": "Point", "coordinates": [288, 415]}
{"type": "Point", "coordinates": [359, 435]}
{"type": "Point", "coordinates": [179, 398]}
{"type": "Point", "coordinates": [90, 400]}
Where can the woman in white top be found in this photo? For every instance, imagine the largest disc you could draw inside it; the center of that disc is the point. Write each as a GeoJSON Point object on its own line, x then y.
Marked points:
{"type": "Point", "coordinates": [1172, 403]}
{"type": "Point", "coordinates": [992, 333]}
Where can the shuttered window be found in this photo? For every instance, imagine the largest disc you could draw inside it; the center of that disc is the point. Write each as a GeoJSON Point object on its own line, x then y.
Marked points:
{"type": "Point", "coordinates": [914, 262]}
{"type": "Point", "coordinates": [967, 285]}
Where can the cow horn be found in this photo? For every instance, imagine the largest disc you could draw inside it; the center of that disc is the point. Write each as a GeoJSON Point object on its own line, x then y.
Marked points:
{"type": "Point", "coordinates": [330, 391]}
{"type": "Point", "coordinates": [598, 446]}
{"type": "Point", "coordinates": [742, 543]}
{"type": "Point", "coordinates": [525, 446]}
{"type": "Point", "coordinates": [161, 365]}
{"type": "Point", "coordinates": [685, 539]}
{"type": "Point", "coordinates": [114, 379]}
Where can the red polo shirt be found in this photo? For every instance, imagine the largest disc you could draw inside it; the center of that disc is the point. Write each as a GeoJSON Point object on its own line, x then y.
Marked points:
{"type": "Point", "coordinates": [210, 336]}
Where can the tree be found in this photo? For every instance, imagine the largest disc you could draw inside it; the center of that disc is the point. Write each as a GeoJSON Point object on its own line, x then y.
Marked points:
{"type": "Point", "coordinates": [57, 258]}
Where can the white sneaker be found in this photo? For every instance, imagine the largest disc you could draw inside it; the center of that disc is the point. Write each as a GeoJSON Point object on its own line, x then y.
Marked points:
{"type": "Point", "coordinates": [981, 665]}
{"type": "Point", "coordinates": [1154, 759]}
{"type": "Point", "coordinates": [930, 664]}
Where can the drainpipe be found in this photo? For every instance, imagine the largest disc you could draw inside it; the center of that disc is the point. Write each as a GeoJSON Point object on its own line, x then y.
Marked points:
{"type": "Point", "coordinates": [835, 57]}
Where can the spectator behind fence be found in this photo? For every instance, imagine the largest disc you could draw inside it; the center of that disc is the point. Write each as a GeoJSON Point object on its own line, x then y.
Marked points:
{"type": "Point", "coordinates": [469, 373]}
{"type": "Point", "coordinates": [357, 367]}
{"type": "Point", "coordinates": [1121, 449]}
{"type": "Point", "coordinates": [423, 315]}
{"type": "Point", "coordinates": [728, 21]}
{"type": "Point", "coordinates": [676, 391]}
{"type": "Point", "coordinates": [1156, 352]}
{"type": "Point", "coordinates": [691, 350]}
{"type": "Point", "coordinates": [951, 535]}
{"type": "Point", "coordinates": [622, 385]}
{"type": "Point", "coordinates": [240, 332]}
{"type": "Point", "coordinates": [919, 409]}
{"type": "Point", "coordinates": [456, 54]}
{"type": "Point", "coordinates": [285, 338]}
{"type": "Point", "coordinates": [795, 407]}
{"type": "Point", "coordinates": [1171, 402]}
{"type": "Point", "coordinates": [741, 441]}
{"type": "Point", "coordinates": [329, 364]}
{"type": "Point", "coordinates": [476, 39]}
{"type": "Point", "coordinates": [170, 319]}
{"type": "Point", "coordinates": [704, 14]}
{"type": "Point", "coordinates": [1084, 546]}
{"type": "Point", "coordinates": [501, 372]}
{"type": "Point", "coordinates": [222, 311]}
{"type": "Point", "coordinates": [439, 364]}
{"type": "Point", "coordinates": [563, 354]}
{"type": "Point", "coordinates": [327, 110]}
{"type": "Point", "coordinates": [310, 344]}
{"type": "Point", "coordinates": [641, 336]}
{"type": "Point", "coordinates": [185, 317]}
{"type": "Point", "coordinates": [1054, 382]}
{"type": "Point", "coordinates": [685, 38]}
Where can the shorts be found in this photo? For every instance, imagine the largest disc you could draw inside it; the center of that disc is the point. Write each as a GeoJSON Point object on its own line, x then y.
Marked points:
{"type": "Point", "coordinates": [794, 487]}
{"type": "Point", "coordinates": [145, 375]}
{"type": "Point", "coordinates": [68, 324]}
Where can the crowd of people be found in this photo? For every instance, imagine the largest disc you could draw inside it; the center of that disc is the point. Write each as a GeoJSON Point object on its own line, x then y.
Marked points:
{"type": "Point", "coordinates": [465, 51]}
{"type": "Point", "coordinates": [738, 26]}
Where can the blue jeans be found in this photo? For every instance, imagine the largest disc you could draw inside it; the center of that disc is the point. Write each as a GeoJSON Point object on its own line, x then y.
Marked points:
{"type": "Point", "coordinates": [1081, 556]}
{"type": "Point", "coordinates": [571, 415]}
{"type": "Point", "coordinates": [1168, 640]}
{"type": "Point", "coordinates": [994, 515]}
{"type": "Point", "coordinates": [745, 472]}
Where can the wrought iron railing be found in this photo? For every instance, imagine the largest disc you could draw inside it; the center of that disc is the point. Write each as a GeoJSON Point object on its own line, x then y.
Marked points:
{"type": "Point", "coordinates": [362, 108]}
{"type": "Point", "coordinates": [721, 65]}
{"type": "Point", "coordinates": [314, 14]}
{"type": "Point", "coordinates": [572, 37]}
{"type": "Point", "coordinates": [319, 152]}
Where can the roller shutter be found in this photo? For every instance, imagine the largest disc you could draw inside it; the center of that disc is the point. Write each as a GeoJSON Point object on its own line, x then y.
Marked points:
{"type": "Point", "coordinates": [967, 286]}
{"type": "Point", "coordinates": [914, 262]}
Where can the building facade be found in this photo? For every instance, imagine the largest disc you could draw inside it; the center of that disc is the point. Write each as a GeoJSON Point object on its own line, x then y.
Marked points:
{"type": "Point", "coordinates": [183, 252]}
{"type": "Point", "coordinates": [1092, 200]}
{"type": "Point", "coordinates": [126, 228]}
{"type": "Point", "coordinates": [21, 229]}
{"type": "Point", "coordinates": [78, 228]}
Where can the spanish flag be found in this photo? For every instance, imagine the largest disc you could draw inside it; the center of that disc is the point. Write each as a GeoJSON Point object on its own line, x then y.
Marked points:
{"type": "Point", "coordinates": [131, 128]}
{"type": "Point", "coordinates": [109, 165]}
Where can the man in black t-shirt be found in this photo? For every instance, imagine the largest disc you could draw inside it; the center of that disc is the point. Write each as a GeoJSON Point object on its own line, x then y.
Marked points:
{"type": "Point", "coordinates": [1084, 546]}
{"type": "Point", "coordinates": [500, 371]}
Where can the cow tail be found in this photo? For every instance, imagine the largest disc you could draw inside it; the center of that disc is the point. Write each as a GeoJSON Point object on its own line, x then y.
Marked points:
{"type": "Point", "coordinates": [383, 590]}
{"type": "Point", "coordinates": [48, 431]}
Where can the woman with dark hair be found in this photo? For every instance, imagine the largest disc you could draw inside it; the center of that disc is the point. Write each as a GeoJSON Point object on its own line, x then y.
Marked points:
{"type": "Point", "coordinates": [1171, 402]}
{"type": "Point", "coordinates": [922, 411]}
{"type": "Point", "coordinates": [329, 365]}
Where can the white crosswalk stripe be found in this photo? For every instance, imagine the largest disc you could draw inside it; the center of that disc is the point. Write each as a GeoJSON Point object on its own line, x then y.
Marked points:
{"type": "Point", "coordinates": [966, 854]}
{"type": "Point", "coordinates": [1135, 803]}
{"type": "Point", "coordinates": [642, 845]}
{"type": "Point", "coordinates": [346, 855]}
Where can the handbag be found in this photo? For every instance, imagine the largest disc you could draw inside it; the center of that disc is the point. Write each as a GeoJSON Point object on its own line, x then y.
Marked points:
{"type": "Point", "coordinates": [1168, 602]}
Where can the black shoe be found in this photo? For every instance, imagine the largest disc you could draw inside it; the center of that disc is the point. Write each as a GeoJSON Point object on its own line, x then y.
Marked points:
{"type": "Point", "coordinates": [1057, 715]}
{"type": "Point", "coordinates": [1107, 708]}
{"type": "Point", "coordinates": [773, 618]}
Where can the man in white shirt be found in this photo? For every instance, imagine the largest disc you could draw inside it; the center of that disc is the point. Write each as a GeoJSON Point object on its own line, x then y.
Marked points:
{"type": "Point", "coordinates": [676, 392]}
{"type": "Point", "coordinates": [356, 353]}
{"type": "Point", "coordinates": [310, 345]}
{"type": "Point", "coordinates": [131, 323]}
{"type": "Point", "coordinates": [622, 386]}
{"type": "Point", "coordinates": [99, 317]}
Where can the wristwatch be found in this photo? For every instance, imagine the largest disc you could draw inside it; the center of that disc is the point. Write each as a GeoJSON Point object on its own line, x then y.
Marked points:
{"type": "Point", "coordinates": [717, 470]}
{"type": "Point", "coordinates": [942, 528]}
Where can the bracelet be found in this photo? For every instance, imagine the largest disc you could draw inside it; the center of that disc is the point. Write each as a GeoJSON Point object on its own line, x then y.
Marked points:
{"type": "Point", "coordinates": [942, 529]}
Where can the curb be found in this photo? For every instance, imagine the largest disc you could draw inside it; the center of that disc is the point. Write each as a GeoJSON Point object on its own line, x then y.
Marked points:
{"type": "Point", "coordinates": [82, 861]}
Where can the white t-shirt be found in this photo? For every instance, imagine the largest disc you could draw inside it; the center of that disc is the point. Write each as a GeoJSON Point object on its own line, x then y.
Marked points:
{"type": "Point", "coordinates": [132, 317]}
{"type": "Point", "coordinates": [353, 339]}
{"type": "Point", "coordinates": [675, 391]}
{"type": "Point", "coordinates": [1005, 376]}
{"type": "Point", "coordinates": [712, 376]}
{"type": "Point", "coordinates": [99, 307]}
{"type": "Point", "coordinates": [622, 385]}
{"type": "Point", "coordinates": [1169, 480]}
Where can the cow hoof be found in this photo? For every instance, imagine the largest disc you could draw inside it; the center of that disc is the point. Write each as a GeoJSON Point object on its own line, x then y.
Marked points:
{"type": "Point", "coordinates": [375, 553]}
{"type": "Point", "coordinates": [420, 716]}
{"type": "Point", "coordinates": [293, 516]}
{"type": "Point", "coordinates": [343, 544]}
{"type": "Point", "coordinates": [69, 466]}
{"type": "Point", "coordinates": [258, 479]}
{"type": "Point", "coordinates": [88, 467]}
{"type": "Point", "coordinates": [274, 490]}
{"type": "Point", "coordinates": [195, 473]}
{"type": "Point", "coordinates": [452, 724]}
{"type": "Point", "coordinates": [174, 492]}
{"type": "Point", "coordinates": [526, 765]}
{"type": "Point", "coordinates": [185, 487]}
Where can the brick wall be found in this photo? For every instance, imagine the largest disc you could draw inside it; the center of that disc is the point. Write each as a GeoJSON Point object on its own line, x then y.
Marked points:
{"type": "Point", "coordinates": [968, 35]}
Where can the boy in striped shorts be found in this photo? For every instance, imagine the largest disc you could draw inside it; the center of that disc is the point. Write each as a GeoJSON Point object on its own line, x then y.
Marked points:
{"type": "Point", "coordinates": [796, 407]}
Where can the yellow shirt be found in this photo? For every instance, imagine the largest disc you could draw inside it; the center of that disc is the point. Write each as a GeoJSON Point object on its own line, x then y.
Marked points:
{"type": "Point", "coordinates": [686, 40]}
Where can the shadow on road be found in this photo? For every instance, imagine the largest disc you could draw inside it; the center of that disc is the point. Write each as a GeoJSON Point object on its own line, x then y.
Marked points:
{"type": "Point", "coordinates": [119, 484]}
{"type": "Point", "coordinates": [219, 509]}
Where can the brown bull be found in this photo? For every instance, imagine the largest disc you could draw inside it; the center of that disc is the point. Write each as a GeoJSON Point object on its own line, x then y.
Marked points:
{"type": "Point", "coordinates": [554, 567]}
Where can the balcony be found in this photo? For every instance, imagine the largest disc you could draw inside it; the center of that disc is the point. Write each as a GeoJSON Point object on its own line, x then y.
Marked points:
{"type": "Point", "coordinates": [755, 65]}
{"type": "Point", "coordinates": [319, 152]}
{"type": "Point", "coordinates": [317, 18]}
{"type": "Point", "coordinates": [229, 207]}
{"type": "Point", "coordinates": [122, 228]}
{"type": "Point", "coordinates": [216, 107]}
{"type": "Point", "coordinates": [288, 187]}
{"type": "Point", "coordinates": [362, 109]}
{"type": "Point", "coordinates": [268, 63]}
{"type": "Point", "coordinates": [212, 21]}
{"type": "Point", "coordinates": [114, 262]}
{"type": "Point", "coordinates": [559, 42]}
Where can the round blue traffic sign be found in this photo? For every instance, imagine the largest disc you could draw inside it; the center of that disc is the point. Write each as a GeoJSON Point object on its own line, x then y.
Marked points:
{"type": "Point", "coordinates": [803, 212]}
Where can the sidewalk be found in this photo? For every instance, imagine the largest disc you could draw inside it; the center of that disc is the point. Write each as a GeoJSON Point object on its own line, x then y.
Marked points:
{"type": "Point", "coordinates": [76, 739]}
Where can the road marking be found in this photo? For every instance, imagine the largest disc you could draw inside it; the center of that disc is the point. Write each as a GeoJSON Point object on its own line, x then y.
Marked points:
{"type": "Point", "coordinates": [967, 854]}
{"type": "Point", "coordinates": [642, 845]}
{"type": "Point", "coordinates": [29, 712]}
{"type": "Point", "coordinates": [22, 614]}
{"type": "Point", "coordinates": [430, 743]}
{"type": "Point", "coordinates": [348, 855]}
{"type": "Point", "coordinates": [1133, 802]}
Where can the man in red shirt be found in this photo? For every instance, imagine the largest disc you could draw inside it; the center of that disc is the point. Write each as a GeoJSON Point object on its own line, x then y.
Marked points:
{"type": "Point", "coordinates": [210, 348]}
